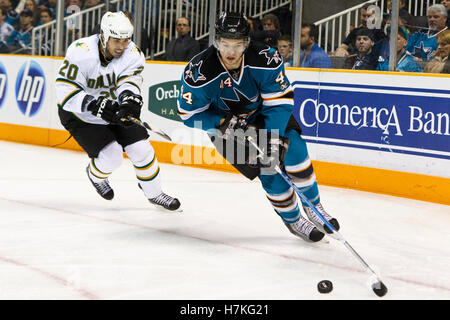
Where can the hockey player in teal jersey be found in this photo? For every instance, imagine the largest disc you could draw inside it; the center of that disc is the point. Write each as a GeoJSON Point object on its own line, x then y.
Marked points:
{"type": "Point", "coordinates": [234, 87]}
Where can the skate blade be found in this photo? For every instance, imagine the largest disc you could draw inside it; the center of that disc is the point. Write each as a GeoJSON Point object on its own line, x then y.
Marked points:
{"type": "Point", "coordinates": [164, 210]}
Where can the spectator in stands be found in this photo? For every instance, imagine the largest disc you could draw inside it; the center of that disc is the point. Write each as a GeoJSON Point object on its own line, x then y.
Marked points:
{"type": "Point", "coordinates": [446, 4]}
{"type": "Point", "coordinates": [365, 58]}
{"type": "Point", "coordinates": [436, 65]}
{"type": "Point", "coordinates": [12, 16]}
{"type": "Point", "coordinates": [447, 65]}
{"type": "Point", "coordinates": [5, 31]}
{"type": "Point", "coordinates": [20, 39]}
{"type": "Point", "coordinates": [45, 16]}
{"type": "Point", "coordinates": [286, 50]}
{"type": "Point", "coordinates": [348, 46]}
{"type": "Point", "coordinates": [422, 45]}
{"type": "Point", "coordinates": [405, 20]}
{"type": "Point", "coordinates": [45, 37]}
{"type": "Point", "coordinates": [49, 4]}
{"type": "Point", "coordinates": [270, 33]}
{"type": "Point", "coordinates": [183, 47]}
{"type": "Point", "coordinates": [405, 62]}
{"type": "Point", "coordinates": [311, 55]}
{"type": "Point", "coordinates": [31, 5]}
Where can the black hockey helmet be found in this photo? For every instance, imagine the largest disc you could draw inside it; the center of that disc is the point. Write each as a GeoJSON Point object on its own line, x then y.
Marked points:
{"type": "Point", "coordinates": [232, 25]}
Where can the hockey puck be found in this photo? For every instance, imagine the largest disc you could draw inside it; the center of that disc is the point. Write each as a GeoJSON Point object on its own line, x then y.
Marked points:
{"type": "Point", "coordinates": [325, 286]}
{"type": "Point", "coordinates": [379, 288]}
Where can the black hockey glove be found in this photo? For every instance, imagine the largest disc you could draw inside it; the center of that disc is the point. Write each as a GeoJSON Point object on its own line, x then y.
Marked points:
{"type": "Point", "coordinates": [130, 104]}
{"type": "Point", "coordinates": [274, 148]}
{"type": "Point", "coordinates": [230, 125]}
{"type": "Point", "coordinates": [104, 108]}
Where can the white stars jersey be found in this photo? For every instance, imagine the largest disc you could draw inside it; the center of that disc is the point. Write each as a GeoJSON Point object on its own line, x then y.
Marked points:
{"type": "Point", "coordinates": [82, 73]}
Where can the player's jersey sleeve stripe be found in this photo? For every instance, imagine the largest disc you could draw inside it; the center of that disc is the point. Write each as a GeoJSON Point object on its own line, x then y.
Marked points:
{"type": "Point", "coordinates": [123, 78]}
{"type": "Point", "coordinates": [133, 84]}
{"type": "Point", "coordinates": [73, 93]}
{"type": "Point", "coordinates": [275, 95]}
{"type": "Point", "coordinates": [62, 80]}
{"type": "Point", "coordinates": [278, 101]}
{"type": "Point", "coordinates": [186, 114]}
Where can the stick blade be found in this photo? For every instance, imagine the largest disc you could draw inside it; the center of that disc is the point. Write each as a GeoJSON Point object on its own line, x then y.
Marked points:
{"type": "Point", "coordinates": [379, 288]}
{"type": "Point", "coordinates": [157, 131]}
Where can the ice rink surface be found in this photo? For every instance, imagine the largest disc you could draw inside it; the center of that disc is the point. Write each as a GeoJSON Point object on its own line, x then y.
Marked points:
{"type": "Point", "coordinates": [60, 240]}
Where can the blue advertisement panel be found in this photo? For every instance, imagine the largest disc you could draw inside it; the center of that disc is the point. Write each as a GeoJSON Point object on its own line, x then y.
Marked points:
{"type": "Point", "coordinates": [391, 119]}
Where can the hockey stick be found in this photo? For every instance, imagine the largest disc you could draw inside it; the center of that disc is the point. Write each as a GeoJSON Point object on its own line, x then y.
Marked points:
{"type": "Point", "coordinates": [147, 126]}
{"type": "Point", "coordinates": [378, 286]}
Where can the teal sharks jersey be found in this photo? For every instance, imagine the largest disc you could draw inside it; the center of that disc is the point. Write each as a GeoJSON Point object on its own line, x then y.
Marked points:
{"type": "Point", "coordinates": [422, 45]}
{"type": "Point", "coordinates": [258, 88]}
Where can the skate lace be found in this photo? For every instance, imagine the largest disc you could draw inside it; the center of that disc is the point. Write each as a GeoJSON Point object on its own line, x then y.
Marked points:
{"type": "Point", "coordinates": [103, 187]}
{"type": "Point", "coordinates": [303, 226]}
{"type": "Point", "coordinates": [162, 199]}
{"type": "Point", "coordinates": [313, 216]}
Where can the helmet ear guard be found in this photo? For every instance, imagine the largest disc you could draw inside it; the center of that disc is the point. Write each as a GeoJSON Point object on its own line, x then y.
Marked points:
{"type": "Point", "coordinates": [115, 25]}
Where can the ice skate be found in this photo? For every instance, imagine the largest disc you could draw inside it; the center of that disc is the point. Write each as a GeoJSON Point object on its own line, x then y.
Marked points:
{"type": "Point", "coordinates": [318, 222]}
{"type": "Point", "coordinates": [166, 201]}
{"type": "Point", "coordinates": [305, 230]}
{"type": "Point", "coordinates": [103, 188]}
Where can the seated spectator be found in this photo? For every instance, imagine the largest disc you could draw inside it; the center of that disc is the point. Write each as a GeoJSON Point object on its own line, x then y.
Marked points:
{"type": "Point", "coordinates": [446, 4]}
{"type": "Point", "coordinates": [20, 39]}
{"type": "Point", "coordinates": [436, 65]}
{"type": "Point", "coordinates": [348, 46]}
{"type": "Point", "coordinates": [45, 16]}
{"type": "Point", "coordinates": [311, 55]}
{"type": "Point", "coordinates": [447, 66]}
{"type": "Point", "coordinates": [31, 5]}
{"type": "Point", "coordinates": [405, 61]}
{"type": "Point", "coordinates": [48, 4]}
{"type": "Point", "coordinates": [286, 50]}
{"type": "Point", "coordinates": [422, 45]}
{"type": "Point", "coordinates": [183, 47]}
{"type": "Point", "coordinates": [12, 16]}
{"type": "Point", "coordinates": [270, 33]}
{"type": "Point", "coordinates": [45, 37]}
{"type": "Point", "coordinates": [5, 28]}
{"type": "Point", "coordinates": [365, 58]}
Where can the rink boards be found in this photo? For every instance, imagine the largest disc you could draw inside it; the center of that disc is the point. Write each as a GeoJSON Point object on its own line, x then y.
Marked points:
{"type": "Point", "coordinates": [373, 131]}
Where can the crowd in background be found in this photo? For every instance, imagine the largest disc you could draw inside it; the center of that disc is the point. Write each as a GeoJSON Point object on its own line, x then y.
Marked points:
{"type": "Point", "coordinates": [423, 42]}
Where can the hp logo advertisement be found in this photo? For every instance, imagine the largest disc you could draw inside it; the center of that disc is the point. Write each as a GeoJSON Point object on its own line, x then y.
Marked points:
{"type": "Point", "coordinates": [30, 88]}
{"type": "Point", "coordinates": [3, 83]}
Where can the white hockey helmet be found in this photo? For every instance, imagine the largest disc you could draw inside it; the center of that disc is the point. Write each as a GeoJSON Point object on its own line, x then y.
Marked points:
{"type": "Point", "coordinates": [116, 25]}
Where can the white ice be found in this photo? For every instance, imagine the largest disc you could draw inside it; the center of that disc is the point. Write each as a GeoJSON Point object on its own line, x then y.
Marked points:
{"type": "Point", "coordinates": [60, 240]}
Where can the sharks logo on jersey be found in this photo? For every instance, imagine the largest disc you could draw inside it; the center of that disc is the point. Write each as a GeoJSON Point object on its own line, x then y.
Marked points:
{"type": "Point", "coordinates": [422, 52]}
{"type": "Point", "coordinates": [239, 106]}
{"type": "Point", "coordinates": [271, 55]}
{"type": "Point", "coordinates": [193, 72]}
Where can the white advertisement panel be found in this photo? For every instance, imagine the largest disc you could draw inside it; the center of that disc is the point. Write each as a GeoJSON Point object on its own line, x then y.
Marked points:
{"type": "Point", "coordinates": [406, 126]}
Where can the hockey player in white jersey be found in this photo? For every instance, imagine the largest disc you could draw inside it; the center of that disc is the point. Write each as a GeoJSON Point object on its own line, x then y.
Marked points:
{"type": "Point", "coordinates": [98, 90]}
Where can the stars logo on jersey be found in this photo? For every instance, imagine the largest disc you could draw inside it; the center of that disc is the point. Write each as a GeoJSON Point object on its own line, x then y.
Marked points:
{"type": "Point", "coordinates": [239, 106]}
{"type": "Point", "coordinates": [271, 55]}
{"type": "Point", "coordinates": [422, 52]}
{"type": "Point", "coordinates": [193, 72]}
{"type": "Point", "coordinates": [82, 45]}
